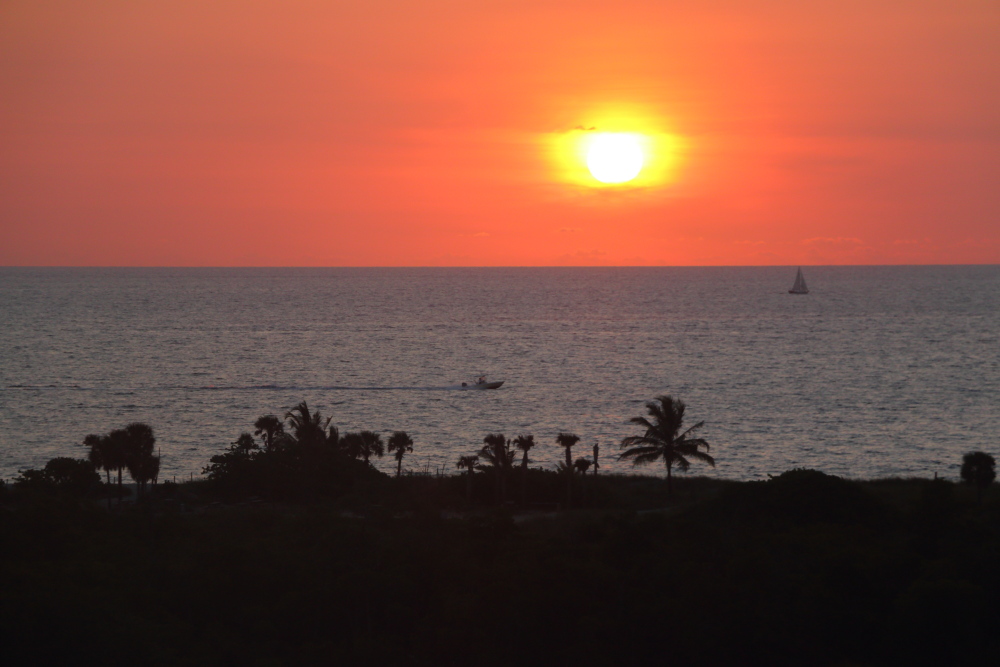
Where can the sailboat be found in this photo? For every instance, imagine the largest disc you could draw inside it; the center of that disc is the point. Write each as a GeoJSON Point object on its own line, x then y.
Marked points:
{"type": "Point", "coordinates": [800, 284]}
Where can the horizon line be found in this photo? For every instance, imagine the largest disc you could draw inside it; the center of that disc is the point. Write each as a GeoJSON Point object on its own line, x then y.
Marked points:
{"type": "Point", "coordinates": [469, 266]}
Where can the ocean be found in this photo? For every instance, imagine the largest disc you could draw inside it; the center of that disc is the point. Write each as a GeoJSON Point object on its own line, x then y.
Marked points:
{"type": "Point", "coordinates": [879, 371]}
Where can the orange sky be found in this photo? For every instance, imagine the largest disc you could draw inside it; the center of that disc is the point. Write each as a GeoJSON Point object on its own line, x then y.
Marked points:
{"type": "Point", "coordinates": [393, 133]}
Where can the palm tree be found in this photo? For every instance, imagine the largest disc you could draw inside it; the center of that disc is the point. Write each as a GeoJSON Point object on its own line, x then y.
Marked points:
{"type": "Point", "coordinates": [497, 452]}
{"type": "Point", "coordinates": [139, 459]}
{"type": "Point", "coordinates": [371, 445]}
{"type": "Point", "coordinates": [978, 470]}
{"type": "Point", "coordinates": [524, 443]}
{"type": "Point", "coordinates": [663, 439]}
{"type": "Point", "coordinates": [144, 470]}
{"type": "Point", "coordinates": [116, 453]}
{"type": "Point", "coordinates": [468, 462]}
{"type": "Point", "coordinates": [597, 453]}
{"type": "Point", "coordinates": [567, 440]}
{"type": "Point", "coordinates": [270, 430]}
{"type": "Point", "coordinates": [307, 428]}
{"type": "Point", "coordinates": [400, 443]}
{"type": "Point", "coordinates": [582, 465]}
{"type": "Point", "coordinates": [351, 445]}
{"type": "Point", "coordinates": [99, 455]}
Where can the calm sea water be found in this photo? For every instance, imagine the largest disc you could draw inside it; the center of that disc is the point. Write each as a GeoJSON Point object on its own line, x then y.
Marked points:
{"type": "Point", "coordinates": [879, 371]}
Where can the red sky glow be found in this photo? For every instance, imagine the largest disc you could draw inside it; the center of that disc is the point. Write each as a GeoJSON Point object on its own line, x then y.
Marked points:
{"type": "Point", "coordinates": [441, 132]}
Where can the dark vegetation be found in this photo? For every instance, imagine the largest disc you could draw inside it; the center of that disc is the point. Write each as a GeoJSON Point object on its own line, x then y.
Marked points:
{"type": "Point", "coordinates": [129, 448]}
{"type": "Point", "coordinates": [296, 551]}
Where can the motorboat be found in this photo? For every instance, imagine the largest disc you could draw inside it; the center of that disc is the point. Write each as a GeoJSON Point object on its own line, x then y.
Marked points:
{"type": "Point", "coordinates": [480, 383]}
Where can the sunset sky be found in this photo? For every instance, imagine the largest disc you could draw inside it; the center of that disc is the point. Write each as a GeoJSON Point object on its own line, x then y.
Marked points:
{"type": "Point", "coordinates": [450, 132]}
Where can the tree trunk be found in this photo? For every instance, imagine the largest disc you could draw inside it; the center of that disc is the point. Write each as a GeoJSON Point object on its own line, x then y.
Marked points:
{"type": "Point", "coordinates": [524, 479]}
{"type": "Point", "coordinates": [569, 478]}
{"type": "Point", "coordinates": [670, 485]}
{"type": "Point", "coordinates": [399, 466]}
{"type": "Point", "coordinates": [119, 487]}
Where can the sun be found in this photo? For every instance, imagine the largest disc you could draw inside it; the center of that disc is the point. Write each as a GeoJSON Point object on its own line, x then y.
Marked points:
{"type": "Point", "coordinates": [621, 148]}
{"type": "Point", "coordinates": [614, 157]}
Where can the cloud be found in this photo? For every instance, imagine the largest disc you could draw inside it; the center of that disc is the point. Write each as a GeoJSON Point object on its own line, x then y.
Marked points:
{"type": "Point", "coordinates": [584, 256]}
{"type": "Point", "coordinates": [833, 241]}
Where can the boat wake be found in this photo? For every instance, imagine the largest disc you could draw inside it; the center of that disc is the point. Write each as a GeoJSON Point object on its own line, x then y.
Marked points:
{"type": "Point", "coordinates": [257, 387]}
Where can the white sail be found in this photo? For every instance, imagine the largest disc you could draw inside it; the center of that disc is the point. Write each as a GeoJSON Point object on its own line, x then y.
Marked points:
{"type": "Point", "coordinates": [800, 284]}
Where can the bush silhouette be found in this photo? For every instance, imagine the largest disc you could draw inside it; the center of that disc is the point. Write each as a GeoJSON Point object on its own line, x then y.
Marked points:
{"type": "Point", "coordinates": [310, 464]}
{"type": "Point", "coordinates": [804, 495]}
{"type": "Point", "coordinates": [979, 470]}
{"type": "Point", "coordinates": [73, 477]}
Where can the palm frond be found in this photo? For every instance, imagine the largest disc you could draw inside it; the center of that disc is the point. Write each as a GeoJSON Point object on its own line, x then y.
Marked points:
{"type": "Point", "coordinates": [643, 459]}
{"type": "Point", "coordinates": [524, 442]}
{"type": "Point", "coordinates": [698, 442]}
{"type": "Point", "coordinates": [696, 453]}
{"type": "Point", "coordinates": [637, 452]}
{"type": "Point", "coordinates": [567, 440]}
{"type": "Point", "coordinates": [642, 421]}
{"type": "Point", "coordinates": [682, 463]}
{"type": "Point", "coordinates": [639, 440]}
{"type": "Point", "coordinates": [698, 425]}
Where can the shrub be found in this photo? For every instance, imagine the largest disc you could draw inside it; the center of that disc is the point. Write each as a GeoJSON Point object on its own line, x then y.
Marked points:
{"type": "Point", "coordinates": [802, 496]}
{"type": "Point", "coordinates": [297, 471]}
{"type": "Point", "coordinates": [72, 477]}
{"type": "Point", "coordinates": [979, 470]}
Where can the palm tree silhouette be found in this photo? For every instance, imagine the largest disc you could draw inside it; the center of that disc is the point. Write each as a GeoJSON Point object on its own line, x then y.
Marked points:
{"type": "Point", "coordinates": [567, 440]}
{"type": "Point", "coordinates": [663, 439]}
{"type": "Point", "coordinates": [100, 456]}
{"type": "Point", "coordinates": [524, 443]}
{"type": "Point", "coordinates": [143, 470]}
{"type": "Point", "coordinates": [116, 452]}
{"type": "Point", "coordinates": [582, 465]}
{"type": "Point", "coordinates": [497, 452]}
{"type": "Point", "coordinates": [142, 464]}
{"type": "Point", "coordinates": [468, 462]}
{"type": "Point", "coordinates": [307, 428]}
{"type": "Point", "coordinates": [270, 430]}
{"type": "Point", "coordinates": [978, 469]}
{"type": "Point", "coordinates": [371, 445]}
{"type": "Point", "coordinates": [95, 453]}
{"type": "Point", "coordinates": [597, 453]}
{"type": "Point", "coordinates": [351, 445]}
{"type": "Point", "coordinates": [400, 443]}
{"type": "Point", "coordinates": [333, 437]}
